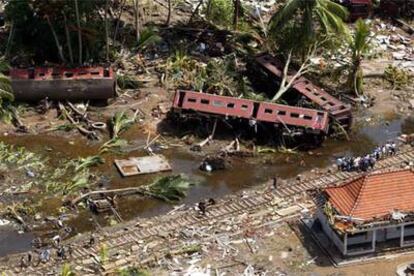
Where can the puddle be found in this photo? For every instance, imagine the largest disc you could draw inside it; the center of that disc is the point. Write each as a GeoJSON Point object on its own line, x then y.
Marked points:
{"type": "Point", "coordinates": [242, 173]}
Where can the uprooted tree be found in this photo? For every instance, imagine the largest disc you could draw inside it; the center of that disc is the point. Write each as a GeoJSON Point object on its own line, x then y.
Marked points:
{"type": "Point", "coordinates": [288, 80]}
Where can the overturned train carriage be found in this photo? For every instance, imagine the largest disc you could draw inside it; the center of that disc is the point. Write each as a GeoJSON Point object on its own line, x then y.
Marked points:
{"type": "Point", "coordinates": [310, 120]}
{"type": "Point", "coordinates": [338, 111]}
{"type": "Point", "coordinates": [86, 83]}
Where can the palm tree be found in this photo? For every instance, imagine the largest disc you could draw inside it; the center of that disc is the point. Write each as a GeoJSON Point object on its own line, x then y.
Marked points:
{"type": "Point", "coordinates": [304, 18]}
{"type": "Point", "coordinates": [359, 44]}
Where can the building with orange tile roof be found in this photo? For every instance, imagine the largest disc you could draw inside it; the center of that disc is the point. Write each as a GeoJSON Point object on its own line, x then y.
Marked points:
{"type": "Point", "coordinates": [371, 209]}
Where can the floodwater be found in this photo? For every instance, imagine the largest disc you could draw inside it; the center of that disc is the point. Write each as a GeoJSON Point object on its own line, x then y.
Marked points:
{"type": "Point", "coordinates": [242, 173]}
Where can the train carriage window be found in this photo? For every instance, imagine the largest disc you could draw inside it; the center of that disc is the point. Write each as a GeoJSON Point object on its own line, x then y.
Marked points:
{"type": "Point", "coordinates": [218, 103]}
{"type": "Point", "coordinates": [192, 100]}
{"type": "Point", "coordinates": [94, 72]}
{"type": "Point", "coordinates": [281, 112]}
{"type": "Point", "coordinates": [244, 106]}
{"type": "Point", "coordinates": [316, 93]}
{"type": "Point", "coordinates": [323, 98]}
{"type": "Point", "coordinates": [321, 113]}
{"type": "Point", "coordinates": [230, 105]}
{"type": "Point", "coordinates": [68, 74]}
{"type": "Point", "coordinates": [307, 117]}
{"type": "Point", "coordinates": [41, 74]}
{"type": "Point", "coordinates": [205, 101]}
{"type": "Point", "coordinates": [294, 115]}
{"type": "Point", "coordinates": [268, 111]}
{"type": "Point", "coordinates": [106, 72]}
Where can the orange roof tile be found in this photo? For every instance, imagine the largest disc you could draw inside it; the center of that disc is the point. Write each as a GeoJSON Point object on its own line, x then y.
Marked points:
{"type": "Point", "coordinates": [374, 195]}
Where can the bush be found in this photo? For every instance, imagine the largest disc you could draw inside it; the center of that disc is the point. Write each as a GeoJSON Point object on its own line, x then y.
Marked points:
{"type": "Point", "coordinates": [221, 12]}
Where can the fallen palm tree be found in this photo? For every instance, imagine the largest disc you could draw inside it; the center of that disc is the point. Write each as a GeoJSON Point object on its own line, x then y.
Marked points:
{"type": "Point", "coordinates": [170, 188]}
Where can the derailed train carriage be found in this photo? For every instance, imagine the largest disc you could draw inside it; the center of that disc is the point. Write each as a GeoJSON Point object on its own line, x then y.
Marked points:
{"type": "Point", "coordinates": [84, 83]}
{"type": "Point", "coordinates": [290, 119]}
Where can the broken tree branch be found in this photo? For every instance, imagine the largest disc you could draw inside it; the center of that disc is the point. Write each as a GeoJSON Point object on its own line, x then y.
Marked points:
{"type": "Point", "coordinates": [82, 130]}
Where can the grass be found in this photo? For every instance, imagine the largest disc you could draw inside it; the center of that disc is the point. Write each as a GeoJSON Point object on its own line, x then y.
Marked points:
{"type": "Point", "coordinates": [67, 270]}
{"type": "Point", "coordinates": [103, 253]}
{"type": "Point", "coordinates": [127, 82]}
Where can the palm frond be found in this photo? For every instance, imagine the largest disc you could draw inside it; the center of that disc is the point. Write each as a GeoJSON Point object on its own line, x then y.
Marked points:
{"type": "Point", "coordinates": [170, 188]}
{"type": "Point", "coordinates": [148, 36]}
{"type": "Point", "coordinates": [287, 12]}
{"type": "Point", "coordinates": [336, 9]}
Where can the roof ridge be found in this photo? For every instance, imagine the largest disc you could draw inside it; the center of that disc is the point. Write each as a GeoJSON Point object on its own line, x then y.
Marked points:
{"type": "Point", "coordinates": [363, 185]}
{"type": "Point", "coordinates": [390, 170]}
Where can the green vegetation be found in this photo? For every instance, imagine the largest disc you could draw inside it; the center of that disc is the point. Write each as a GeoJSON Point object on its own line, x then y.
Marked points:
{"type": "Point", "coordinates": [170, 188]}
{"type": "Point", "coordinates": [67, 270]}
{"type": "Point", "coordinates": [219, 12]}
{"type": "Point", "coordinates": [7, 110]}
{"type": "Point", "coordinates": [125, 81]}
{"type": "Point", "coordinates": [119, 123]}
{"type": "Point", "coordinates": [398, 78]}
{"type": "Point", "coordinates": [359, 44]}
{"type": "Point", "coordinates": [103, 253]}
{"type": "Point", "coordinates": [306, 22]}
{"type": "Point", "coordinates": [35, 170]}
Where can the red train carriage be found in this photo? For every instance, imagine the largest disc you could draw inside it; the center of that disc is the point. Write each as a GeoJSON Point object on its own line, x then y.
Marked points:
{"type": "Point", "coordinates": [336, 108]}
{"type": "Point", "coordinates": [85, 83]}
{"type": "Point", "coordinates": [265, 112]}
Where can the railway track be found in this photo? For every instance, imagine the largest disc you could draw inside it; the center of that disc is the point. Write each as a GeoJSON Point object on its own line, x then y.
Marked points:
{"type": "Point", "coordinates": [297, 187]}
{"type": "Point", "coordinates": [139, 230]}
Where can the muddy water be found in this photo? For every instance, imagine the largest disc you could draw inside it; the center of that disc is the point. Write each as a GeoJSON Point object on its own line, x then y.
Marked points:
{"type": "Point", "coordinates": [243, 173]}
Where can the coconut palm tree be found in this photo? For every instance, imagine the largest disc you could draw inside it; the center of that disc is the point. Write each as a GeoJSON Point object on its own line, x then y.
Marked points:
{"type": "Point", "coordinates": [304, 19]}
{"type": "Point", "coordinates": [359, 45]}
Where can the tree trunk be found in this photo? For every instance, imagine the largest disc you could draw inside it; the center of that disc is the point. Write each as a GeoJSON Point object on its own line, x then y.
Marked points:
{"type": "Point", "coordinates": [137, 20]}
{"type": "Point", "coordinates": [118, 20]}
{"type": "Point", "coordinates": [208, 12]}
{"type": "Point", "coordinates": [68, 40]}
{"type": "Point", "coordinates": [195, 11]}
{"type": "Point", "coordinates": [58, 45]}
{"type": "Point", "coordinates": [236, 4]}
{"type": "Point", "coordinates": [10, 39]}
{"type": "Point", "coordinates": [169, 13]}
{"type": "Point", "coordinates": [79, 31]}
{"type": "Point", "coordinates": [107, 30]}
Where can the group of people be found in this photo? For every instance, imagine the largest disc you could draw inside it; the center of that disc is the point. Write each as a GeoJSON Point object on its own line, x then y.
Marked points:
{"type": "Point", "coordinates": [364, 163]}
